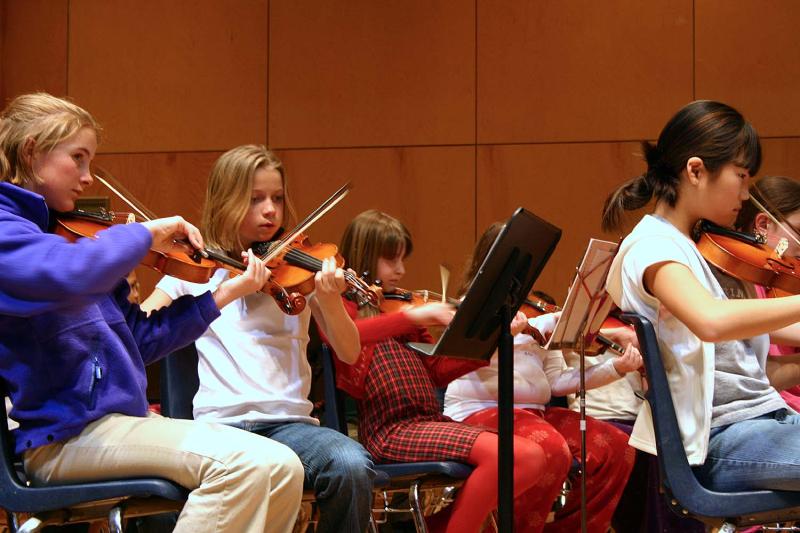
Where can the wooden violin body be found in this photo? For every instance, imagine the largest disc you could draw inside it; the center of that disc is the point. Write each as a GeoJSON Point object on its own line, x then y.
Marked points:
{"type": "Point", "coordinates": [78, 223]}
{"type": "Point", "coordinates": [295, 266]}
{"type": "Point", "coordinates": [744, 257]}
{"type": "Point", "coordinates": [189, 267]}
{"type": "Point", "coordinates": [401, 299]}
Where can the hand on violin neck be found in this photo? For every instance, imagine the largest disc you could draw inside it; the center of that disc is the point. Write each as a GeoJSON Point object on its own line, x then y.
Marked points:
{"type": "Point", "coordinates": [255, 276]}
{"type": "Point", "coordinates": [622, 335]}
{"type": "Point", "coordinates": [329, 282]}
{"type": "Point", "coordinates": [519, 323]}
{"type": "Point", "coordinates": [541, 327]}
{"type": "Point", "coordinates": [629, 361]}
{"type": "Point", "coordinates": [171, 235]}
{"type": "Point", "coordinates": [432, 314]}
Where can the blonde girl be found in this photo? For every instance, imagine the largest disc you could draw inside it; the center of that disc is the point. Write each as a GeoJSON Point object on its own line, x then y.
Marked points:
{"type": "Point", "coordinates": [73, 349]}
{"type": "Point", "coordinates": [253, 369]}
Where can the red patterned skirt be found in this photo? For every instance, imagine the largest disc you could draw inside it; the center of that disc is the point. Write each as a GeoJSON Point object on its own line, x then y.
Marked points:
{"type": "Point", "coordinates": [400, 418]}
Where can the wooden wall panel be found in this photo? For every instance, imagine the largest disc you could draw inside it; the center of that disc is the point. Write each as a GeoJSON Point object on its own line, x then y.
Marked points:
{"type": "Point", "coordinates": [580, 70]}
{"type": "Point", "coordinates": [171, 76]}
{"type": "Point", "coordinates": [751, 65]}
{"type": "Point", "coordinates": [781, 158]}
{"type": "Point", "coordinates": [166, 183]}
{"type": "Point", "coordinates": [430, 189]}
{"type": "Point", "coordinates": [565, 184]}
{"type": "Point", "coordinates": [33, 47]}
{"type": "Point", "coordinates": [366, 73]}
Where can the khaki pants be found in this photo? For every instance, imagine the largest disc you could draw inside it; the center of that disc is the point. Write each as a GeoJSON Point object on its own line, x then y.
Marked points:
{"type": "Point", "coordinates": [240, 482]}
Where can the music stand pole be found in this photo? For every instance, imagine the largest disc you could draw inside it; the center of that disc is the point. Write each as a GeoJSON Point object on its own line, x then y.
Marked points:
{"type": "Point", "coordinates": [505, 425]}
{"type": "Point", "coordinates": [582, 395]}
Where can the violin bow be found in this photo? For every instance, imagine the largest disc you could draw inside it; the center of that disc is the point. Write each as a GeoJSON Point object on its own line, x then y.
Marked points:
{"type": "Point", "coordinates": [113, 185]}
{"type": "Point", "coordinates": [315, 215]}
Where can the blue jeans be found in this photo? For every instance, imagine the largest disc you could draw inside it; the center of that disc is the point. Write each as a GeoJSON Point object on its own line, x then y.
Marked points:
{"type": "Point", "coordinates": [337, 467]}
{"type": "Point", "coordinates": [760, 453]}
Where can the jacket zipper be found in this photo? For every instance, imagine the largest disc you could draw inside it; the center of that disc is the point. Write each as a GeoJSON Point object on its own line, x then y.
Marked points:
{"type": "Point", "coordinates": [97, 375]}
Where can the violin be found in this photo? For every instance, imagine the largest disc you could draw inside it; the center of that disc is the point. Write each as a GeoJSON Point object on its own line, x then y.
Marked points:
{"type": "Point", "coordinates": [745, 257]}
{"type": "Point", "coordinates": [402, 299]}
{"type": "Point", "coordinates": [297, 261]}
{"type": "Point", "coordinates": [197, 267]}
{"type": "Point", "coordinates": [533, 307]}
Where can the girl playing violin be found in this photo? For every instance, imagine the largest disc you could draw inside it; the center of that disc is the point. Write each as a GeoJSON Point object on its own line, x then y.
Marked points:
{"type": "Point", "coordinates": [253, 369]}
{"type": "Point", "coordinates": [782, 195]}
{"type": "Point", "coordinates": [73, 348]}
{"type": "Point", "coordinates": [538, 374]}
{"type": "Point", "coordinates": [400, 418]}
{"type": "Point", "coordinates": [737, 430]}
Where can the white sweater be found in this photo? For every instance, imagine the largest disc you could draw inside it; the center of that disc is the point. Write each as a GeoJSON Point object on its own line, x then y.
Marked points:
{"type": "Point", "coordinates": [538, 374]}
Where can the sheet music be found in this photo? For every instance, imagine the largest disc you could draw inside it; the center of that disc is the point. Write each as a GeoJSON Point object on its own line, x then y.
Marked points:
{"type": "Point", "coordinates": [587, 304]}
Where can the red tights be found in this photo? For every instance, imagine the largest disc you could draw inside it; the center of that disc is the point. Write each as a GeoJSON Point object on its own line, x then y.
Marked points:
{"type": "Point", "coordinates": [608, 464]}
{"type": "Point", "coordinates": [478, 496]}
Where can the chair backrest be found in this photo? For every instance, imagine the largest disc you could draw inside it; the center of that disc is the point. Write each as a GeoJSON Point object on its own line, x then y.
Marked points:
{"type": "Point", "coordinates": [179, 382]}
{"type": "Point", "coordinates": [676, 473]}
{"type": "Point", "coordinates": [334, 416]}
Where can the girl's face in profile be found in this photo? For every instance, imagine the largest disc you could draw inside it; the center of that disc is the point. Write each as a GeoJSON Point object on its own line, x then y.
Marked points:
{"type": "Point", "coordinates": [391, 271]}
{"type": "Point", "coordinates": [265, 215]}
{"type": "Point", "coordinates": [722, 195]}
{"type": "Point", "coordinates": [64, 171]}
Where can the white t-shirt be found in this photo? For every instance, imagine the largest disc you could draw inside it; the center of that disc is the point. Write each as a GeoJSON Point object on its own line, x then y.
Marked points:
{"type": "Point", "coordinates": [537, 374]}
{"type": "Point", "coordinates": [252, 359]}
{"type": "Point", "coordinates": [689, 362]}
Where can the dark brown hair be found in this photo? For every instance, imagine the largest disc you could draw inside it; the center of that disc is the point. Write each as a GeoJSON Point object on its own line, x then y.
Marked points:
{"type": "Point", "coordinates": [479, 254]}
{"type": "Point", "coordinates": [780, 195]}
{"type": "Point", "coordinates": [715, 132]}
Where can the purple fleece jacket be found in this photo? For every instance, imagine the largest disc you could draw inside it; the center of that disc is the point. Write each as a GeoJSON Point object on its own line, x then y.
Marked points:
{"type": "Point", "coordinates": [72, 349]}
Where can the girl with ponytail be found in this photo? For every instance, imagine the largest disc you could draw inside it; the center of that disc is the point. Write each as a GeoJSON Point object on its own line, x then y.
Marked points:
{"type": "Point", "coordinates": [715, 348]}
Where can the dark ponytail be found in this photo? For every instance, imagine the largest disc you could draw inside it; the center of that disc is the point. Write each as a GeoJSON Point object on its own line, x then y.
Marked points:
{"type": "Point", "coordinates": [712, 131]}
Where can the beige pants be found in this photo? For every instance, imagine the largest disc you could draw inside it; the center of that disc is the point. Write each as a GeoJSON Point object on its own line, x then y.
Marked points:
{"type": "Point", "coordinates": [239, 481]}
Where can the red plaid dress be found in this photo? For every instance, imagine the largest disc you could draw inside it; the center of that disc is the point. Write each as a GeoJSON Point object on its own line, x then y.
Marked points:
{"type": "Point", "coordinates": [400, 419]}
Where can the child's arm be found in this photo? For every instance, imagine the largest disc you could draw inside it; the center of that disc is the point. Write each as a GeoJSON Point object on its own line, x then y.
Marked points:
{"type": "Point", "coordinates": [788, 336]}
{"type": "Point", "coordinates": [329, 312]}
{"type": "Point", "coordinates": [250, 281]}
{"type": "Point", "coordinates": [564, 380]}
{"type": "Point", "coordinates": [783, 371]}
{"type": "Point", "coordinates": [713, 320]}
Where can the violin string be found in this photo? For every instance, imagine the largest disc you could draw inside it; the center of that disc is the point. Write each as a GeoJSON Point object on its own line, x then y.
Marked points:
{"type": "Point", "coordinates": [787, 230]}
{"type": "Point", "coordinates": [311, 263]}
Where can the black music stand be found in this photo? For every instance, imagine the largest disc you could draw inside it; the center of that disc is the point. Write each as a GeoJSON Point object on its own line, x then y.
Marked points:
{"type": "Point", "coordinates": [483, 323]}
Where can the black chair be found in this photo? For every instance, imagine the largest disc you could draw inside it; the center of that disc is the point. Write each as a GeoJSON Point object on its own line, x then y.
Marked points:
{"type": "Point", "coordinates": [79, 502]}
{"type": "Point", "coordinates": [685, 494]}
{"type": "Point", "coordinates": [406, 477]}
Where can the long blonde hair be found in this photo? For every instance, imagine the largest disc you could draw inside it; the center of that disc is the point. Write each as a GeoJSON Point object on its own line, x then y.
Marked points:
{"type": "Point", "coordinates": [42, 119]}
{"type": "Point", "coordinates": [369, 236]}
{"type": "Point", "coordinates": [228, 194]}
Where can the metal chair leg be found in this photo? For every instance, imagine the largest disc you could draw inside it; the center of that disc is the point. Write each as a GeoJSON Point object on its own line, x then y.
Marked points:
{"type": "Point", "coordinates": [31, 525]}
{"type": "Point", "coordinates": [373, 528]}
{"type": "Point", "coordinates": [416, 507]}
{"type": "Point", "coordinates": [115, 519]}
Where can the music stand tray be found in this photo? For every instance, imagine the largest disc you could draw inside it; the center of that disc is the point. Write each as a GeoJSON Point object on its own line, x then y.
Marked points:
{"type": "Point", "coordinates": [515, 260]}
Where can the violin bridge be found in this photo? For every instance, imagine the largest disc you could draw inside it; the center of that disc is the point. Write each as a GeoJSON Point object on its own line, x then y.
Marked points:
{"type": "Point", "coordinates": [782, 246]}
